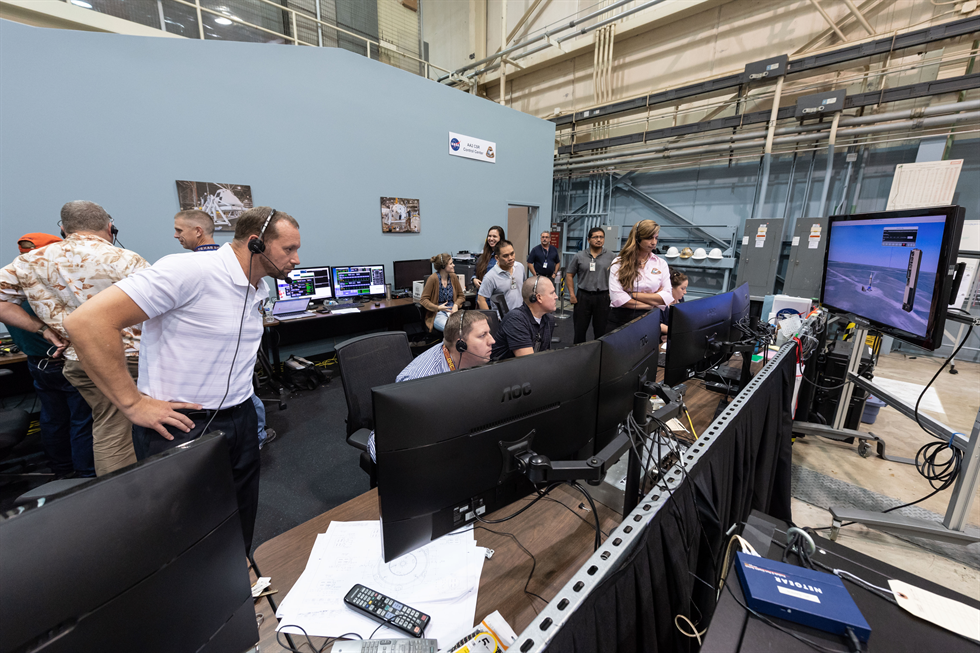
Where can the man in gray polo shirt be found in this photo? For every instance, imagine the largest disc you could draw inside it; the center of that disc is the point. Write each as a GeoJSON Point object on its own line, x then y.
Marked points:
{"type": "Point", "coordinates": [504, 279]}
{"type": "Point", "coordinates": [590, 268]}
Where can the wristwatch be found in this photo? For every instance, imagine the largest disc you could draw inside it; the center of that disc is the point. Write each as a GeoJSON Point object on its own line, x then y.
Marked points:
{"type": "Point", "coordinates": [40, 332]}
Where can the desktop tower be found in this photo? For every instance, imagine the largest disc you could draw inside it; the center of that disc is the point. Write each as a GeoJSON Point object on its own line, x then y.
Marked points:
{"type": "Point", "coordinates": [831, 369]}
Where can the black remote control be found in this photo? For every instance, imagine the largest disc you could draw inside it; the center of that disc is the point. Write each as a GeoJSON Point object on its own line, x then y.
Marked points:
{"type": "Point", "coordinates": [387, 610]}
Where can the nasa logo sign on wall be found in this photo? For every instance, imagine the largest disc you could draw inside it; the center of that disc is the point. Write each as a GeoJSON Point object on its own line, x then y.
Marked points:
{"type": "Point", "coordinates": [472, 148]}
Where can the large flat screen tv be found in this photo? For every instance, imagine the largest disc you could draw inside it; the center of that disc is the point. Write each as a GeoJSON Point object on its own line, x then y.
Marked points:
{"type": "Point", "coordinates": [894, 269]}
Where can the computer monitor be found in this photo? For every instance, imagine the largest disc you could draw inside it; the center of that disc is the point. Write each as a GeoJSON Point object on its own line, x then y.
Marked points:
{"type": "Point", "coordinates": [440, 459]}
{"type": "Point", "coordinates": [408, 272]}
{"type": "Point", "coordinates": [892, 268]}
{"type": "Point", "coordinates": [149, 558]}
{"type": "Point", "coordinates": [359, 282]}
{"type": "Point", "coordinates": [628, 354]}
{"type": "Point", "coordinates": [691, 328]}
{"type": "Point", "coordinates": [306, 282]}
{"type": "Point", "coordinates": [740, 307]}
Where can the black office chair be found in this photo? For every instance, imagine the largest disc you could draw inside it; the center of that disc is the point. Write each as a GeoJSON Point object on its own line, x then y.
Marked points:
{"type": "Point", "coordinates": [494, 321]}
{"type": "Point", "coordinates": [501, 303]}
{"type": "Point", "coordinates": [366, 362]}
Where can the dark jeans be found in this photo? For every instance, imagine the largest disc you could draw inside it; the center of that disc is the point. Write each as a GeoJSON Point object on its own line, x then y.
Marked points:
{"type": "Point", "coordinates": [591, 307]}
{"type": "Point", "coordinates": [240, 425]}
{"type": "Point", "coordinates": [620, 316]}
{"type": "Point", "coordinates": [66, 419]}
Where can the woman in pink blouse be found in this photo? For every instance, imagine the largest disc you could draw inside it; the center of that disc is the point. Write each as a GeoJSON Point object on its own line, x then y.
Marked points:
{"type": "Point", "coordinates": [639, 280]}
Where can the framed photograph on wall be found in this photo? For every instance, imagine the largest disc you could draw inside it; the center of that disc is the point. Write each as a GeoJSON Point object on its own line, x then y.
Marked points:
{"type": "Point", "coordinates": [400, 215]}
{"type": "Point", "coordinates": [223, 202]}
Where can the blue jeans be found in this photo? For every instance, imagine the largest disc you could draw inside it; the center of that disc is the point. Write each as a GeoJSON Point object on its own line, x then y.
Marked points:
{"type": "Point", "coordinates": [66, 420]}
{"type": "Point", "coordinates": [260, 413]}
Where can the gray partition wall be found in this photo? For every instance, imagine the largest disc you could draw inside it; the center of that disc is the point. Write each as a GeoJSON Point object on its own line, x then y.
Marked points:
{"type": "Point", "coordinates": [320, 133]}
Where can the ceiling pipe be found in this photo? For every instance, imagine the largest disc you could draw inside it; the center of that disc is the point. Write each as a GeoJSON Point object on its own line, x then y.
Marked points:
{"type": "Point", "coordinates": [852, 121]}
{"type": "Point", "coordinates": [916, 123]}
{"type": "Point", "coordinates": [584, 30]}
{"type": "Point", "coordinates": [535, 39]}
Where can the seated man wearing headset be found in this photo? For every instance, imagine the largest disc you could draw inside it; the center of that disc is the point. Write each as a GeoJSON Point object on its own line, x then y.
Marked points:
{"type": "Point", "coordinates": [466, 343]}
{"type": "Point", "coordinates": [528, 329]}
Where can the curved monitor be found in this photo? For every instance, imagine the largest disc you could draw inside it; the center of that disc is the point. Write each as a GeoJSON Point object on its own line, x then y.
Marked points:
{"type": "Point", "coordinates": [439, 438]}
{"type": "Point", "coordinates": [628, 353]}
{"type": "Point", "coordinates": [892, 268]}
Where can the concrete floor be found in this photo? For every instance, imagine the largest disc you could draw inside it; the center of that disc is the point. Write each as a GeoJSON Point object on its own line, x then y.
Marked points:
{"type": "Point", "coordinates": [959, 396]}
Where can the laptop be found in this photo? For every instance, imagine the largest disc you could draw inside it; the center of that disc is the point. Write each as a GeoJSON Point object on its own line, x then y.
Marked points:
{"type": "Point", "coordinates": [290, 309]}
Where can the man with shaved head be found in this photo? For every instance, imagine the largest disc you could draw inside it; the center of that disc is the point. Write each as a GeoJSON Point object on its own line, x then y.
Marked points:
{"type": "Point", "coordinates": [527, 329]}
{"type": "Point", "coordinates": [194, 230]}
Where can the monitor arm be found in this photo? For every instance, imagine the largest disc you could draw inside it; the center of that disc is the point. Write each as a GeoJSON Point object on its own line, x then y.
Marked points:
{"type": "Point", "coordinates": [520, 457]}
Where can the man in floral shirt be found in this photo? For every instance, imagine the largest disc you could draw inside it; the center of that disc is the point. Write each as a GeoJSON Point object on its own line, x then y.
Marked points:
{"type": "Point", "coordinates": [57, 279]}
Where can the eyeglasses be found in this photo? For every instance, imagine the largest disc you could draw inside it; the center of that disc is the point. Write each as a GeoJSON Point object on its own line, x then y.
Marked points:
{"type": "Point", "coordinates": [598, 236]}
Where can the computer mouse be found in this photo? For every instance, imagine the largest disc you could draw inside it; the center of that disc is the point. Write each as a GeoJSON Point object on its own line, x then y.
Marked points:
{"type": "Point", "coordinates": [377, 303]}
{"type": "Point", "coordinates": [323, 310]}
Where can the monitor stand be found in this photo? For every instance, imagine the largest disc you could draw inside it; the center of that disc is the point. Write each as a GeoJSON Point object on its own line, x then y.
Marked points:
{"type": "Point", "coordinates": [728, 380]}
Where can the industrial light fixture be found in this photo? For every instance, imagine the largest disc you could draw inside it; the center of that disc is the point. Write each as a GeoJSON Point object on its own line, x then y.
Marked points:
{"type": "Point", "coordinates": [81, 3]}
{"type": "Point", "coordinates": [222, 21]}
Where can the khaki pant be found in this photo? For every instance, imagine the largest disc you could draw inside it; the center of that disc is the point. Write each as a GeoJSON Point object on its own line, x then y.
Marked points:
{"type": "Point", "coordinates": [112, 433]}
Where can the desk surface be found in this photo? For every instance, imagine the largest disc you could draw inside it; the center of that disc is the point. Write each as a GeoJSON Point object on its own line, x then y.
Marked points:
{"type": "Point", "coordinates": [10, 359]}
{"type": "Point", "coordinates": [557, 532]}
{"type": "Point", "coordinates": [363, 308]}
{"type": "Point", "coordinates": [559, 539]}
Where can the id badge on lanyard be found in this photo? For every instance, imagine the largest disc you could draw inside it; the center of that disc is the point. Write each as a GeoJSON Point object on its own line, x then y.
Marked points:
{"type": "Point", "coordinates": [592, 266]}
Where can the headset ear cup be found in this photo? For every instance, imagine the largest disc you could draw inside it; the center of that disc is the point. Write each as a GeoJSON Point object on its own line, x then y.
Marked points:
{"type": "Point", "coordinates": [461, 345]}
{"type": "Point", "coordinates": [256, 245]}
{"type": "Point", "coordinates": [532, 299]}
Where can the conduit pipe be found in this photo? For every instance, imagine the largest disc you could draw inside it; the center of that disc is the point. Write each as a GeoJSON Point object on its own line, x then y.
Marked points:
{"type": "Point", "coordinates": [918, 123]}
{"type": "Point", "coordinates": [830, 165]}
{"type": "Point", "coordinates": [558, 42]}
{"type": "Point", "coordinates": [767, 151]}
{"type": "Point", "coordinates": [850, 121]}
{"type": "Point", "coordinates": [733, 141]}
{"type": "Point", "coordinates": [534, 39]}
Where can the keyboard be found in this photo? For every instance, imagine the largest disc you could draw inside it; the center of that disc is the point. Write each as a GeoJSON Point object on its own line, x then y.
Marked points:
{"type": "Point", "coordinates": [292, 316]}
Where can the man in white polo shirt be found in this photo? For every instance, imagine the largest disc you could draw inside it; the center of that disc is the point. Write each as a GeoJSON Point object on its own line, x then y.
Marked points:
{"type": "Point", "coordinates": [201, 331]}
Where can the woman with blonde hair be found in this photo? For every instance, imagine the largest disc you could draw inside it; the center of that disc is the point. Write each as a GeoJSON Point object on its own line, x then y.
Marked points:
{"type": "Point", "coordinates": [488, 259]}
{"type": "Point", "coordinates": [442, 295]}
{"type": "Point", "coordinates": [639, 280]}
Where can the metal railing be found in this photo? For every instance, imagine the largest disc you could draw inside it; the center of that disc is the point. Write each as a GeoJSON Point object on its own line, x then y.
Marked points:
{"type": "Point", "coordinates": [294, 17]}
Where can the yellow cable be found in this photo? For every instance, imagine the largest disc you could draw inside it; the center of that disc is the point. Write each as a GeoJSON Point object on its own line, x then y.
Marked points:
{"type": "Point", "coordinates": [693, 432]}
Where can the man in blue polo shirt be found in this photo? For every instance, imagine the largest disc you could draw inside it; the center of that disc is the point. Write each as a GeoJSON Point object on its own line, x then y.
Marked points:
{"type": "Point", "coordinates": [528, 329]}
{"type": "Point", "coordinates": [544, 260]}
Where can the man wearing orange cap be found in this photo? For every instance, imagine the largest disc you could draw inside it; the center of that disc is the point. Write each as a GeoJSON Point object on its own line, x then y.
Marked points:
{"type": "Point", "coordinates": [66, 418]}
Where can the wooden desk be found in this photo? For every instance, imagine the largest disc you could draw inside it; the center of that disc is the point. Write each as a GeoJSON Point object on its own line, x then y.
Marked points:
{"type": "Point", "coordinates": [12, 359]}
{"type": "Point", "coordinates": [390, 315]}
{"type": "Point", "coordinates": [560, 541]}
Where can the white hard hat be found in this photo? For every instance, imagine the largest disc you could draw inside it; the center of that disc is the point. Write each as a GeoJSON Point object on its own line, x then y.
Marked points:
{"type": "Point", "coordinates": [715, 254]}
{"type": "Point", "coordinates": [671, 253]}
{"type": "Point", "coordinates": [699, 254]}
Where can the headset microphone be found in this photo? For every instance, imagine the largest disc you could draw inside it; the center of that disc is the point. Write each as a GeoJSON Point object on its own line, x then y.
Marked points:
{"type": "Point", "coordinates": [282, 275]}
{"type": "Point", "coordinates": [257, 245]}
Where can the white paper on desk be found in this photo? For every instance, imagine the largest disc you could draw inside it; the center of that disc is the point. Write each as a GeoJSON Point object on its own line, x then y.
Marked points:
{"type": "Point", "coordinates": [440, 579]}
{"type": "Point", "coordinates": [341, 311]}
{"type": "Point", "coordinates": [945, 613]}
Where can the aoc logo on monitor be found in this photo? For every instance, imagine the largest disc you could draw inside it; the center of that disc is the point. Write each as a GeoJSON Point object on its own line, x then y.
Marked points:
{"type": "Point", "coordinates": [516, 392]}
{"type": "Point", "coordinates": [454, 144]}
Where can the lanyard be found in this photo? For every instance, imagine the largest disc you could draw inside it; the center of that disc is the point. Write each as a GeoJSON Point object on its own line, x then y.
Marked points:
{"type": "Point", "coordinates": [449, 360]}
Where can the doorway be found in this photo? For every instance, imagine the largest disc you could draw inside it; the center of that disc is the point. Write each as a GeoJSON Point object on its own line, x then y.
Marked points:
{"type": "Point", "coordinates": [519, 220]}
